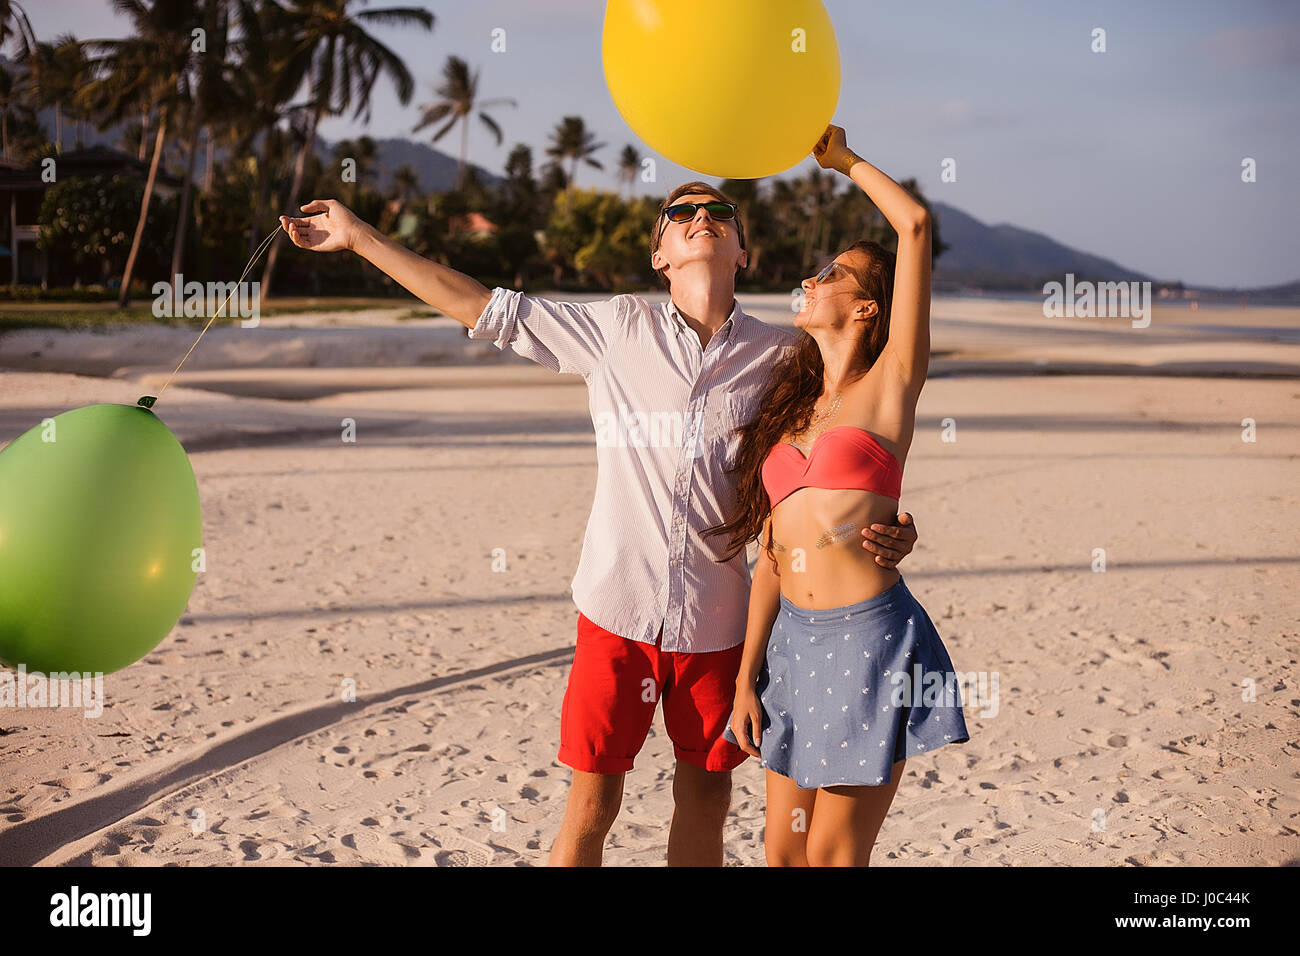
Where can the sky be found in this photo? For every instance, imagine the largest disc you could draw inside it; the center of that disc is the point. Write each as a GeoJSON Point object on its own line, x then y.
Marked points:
{"type": "Point", "coordinates": [1133, 154]}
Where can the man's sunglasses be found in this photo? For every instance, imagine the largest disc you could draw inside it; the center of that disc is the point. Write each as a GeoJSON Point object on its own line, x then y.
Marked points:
{"type": "Point", "coordinates": [685, 211]}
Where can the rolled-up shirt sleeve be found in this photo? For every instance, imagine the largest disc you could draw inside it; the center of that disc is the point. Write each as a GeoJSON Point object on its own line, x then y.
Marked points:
{"type": "Point", "coordinates": [569, 337]}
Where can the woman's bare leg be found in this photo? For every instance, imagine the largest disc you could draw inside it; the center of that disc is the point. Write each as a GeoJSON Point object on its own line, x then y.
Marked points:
{"type": "Point", "coordinates": [847, 820]}
{"type": "Point", "coordinates": [789, 817]}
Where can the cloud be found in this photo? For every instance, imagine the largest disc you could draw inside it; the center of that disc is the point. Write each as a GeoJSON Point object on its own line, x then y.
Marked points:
{"type": "Point", "coordinates": [1246, 47]}
{"type": "Point", "coordinates": [960, 114]}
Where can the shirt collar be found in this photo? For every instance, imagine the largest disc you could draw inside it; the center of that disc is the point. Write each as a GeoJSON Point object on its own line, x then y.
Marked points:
{"type": "Point", "coordinates": [733, 320]}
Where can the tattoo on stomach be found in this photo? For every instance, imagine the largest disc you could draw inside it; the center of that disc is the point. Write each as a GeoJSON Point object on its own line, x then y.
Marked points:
{"type": "Point", "coordinates": [838, 533]}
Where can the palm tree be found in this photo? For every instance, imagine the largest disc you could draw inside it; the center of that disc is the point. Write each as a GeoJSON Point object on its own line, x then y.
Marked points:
{"type": "Point", "coordinates": [14, 23]}
{"type": "Point", "coordinates": [519, 188]}
{"type": "Point", "coordinates": [341, 62]}
{"type": "Point", "coordinates": [133, 73]}
{"type": "Point", "coordinates": [279, 148]}
{"type": "Point", "coordinates": [14, 107]}
{"type": "Point", "coordinates": [362, 151]}
{"type": "Point", "coordinates": [55, 72]}
{"type": "Point", "coordinates": [817, 191]}
{"type": "Point", "coordinates": [572, 140]}
{"type": "Point", "coordinates": [458, 98]}
{"type": "Point", "coordinates": [749, 206]}
{"type": "Point", "coordinates": [405, 182]}
{"type": "Point", "coordinates": [262, 90]}
{"type": "Point", "coordinates": [205, 94]}
{"type": "Point", "coordinates": [554, 180]}
{"type": "Point", "coordinates": [629, 167]}
{"type": "Point", "coordinates": [134, 138]}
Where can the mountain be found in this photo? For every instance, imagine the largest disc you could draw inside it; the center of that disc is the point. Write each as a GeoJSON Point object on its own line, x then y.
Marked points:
{"type": "Point", "coordinates": [1287, 293]}
{"type": "Point", "coordinates": [1006, 256]}
{"type": "Point", "coordinates": [436, 170]}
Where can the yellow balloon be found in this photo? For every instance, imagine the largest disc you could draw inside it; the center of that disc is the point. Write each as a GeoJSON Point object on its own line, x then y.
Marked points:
{"type": "Point", "coordinates": [732, 88]}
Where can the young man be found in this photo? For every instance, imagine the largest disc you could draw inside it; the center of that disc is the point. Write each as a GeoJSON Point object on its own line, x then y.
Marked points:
{"type": "Point", "coordinates": [659, 617]}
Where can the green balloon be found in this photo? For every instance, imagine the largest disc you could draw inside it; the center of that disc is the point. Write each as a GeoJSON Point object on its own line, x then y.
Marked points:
{"type": "Point", "coordinates": [99, 526]}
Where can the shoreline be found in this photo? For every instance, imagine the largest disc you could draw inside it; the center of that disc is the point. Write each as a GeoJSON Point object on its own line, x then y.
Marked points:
{"type": "Point", "coordinates": [970, 338]}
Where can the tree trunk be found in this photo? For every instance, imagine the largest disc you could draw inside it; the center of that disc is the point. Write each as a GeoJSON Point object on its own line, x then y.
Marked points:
{"type": "Point", "coordinates": [144, 131]}
{"type": "Point", "coordinates": [299, 171]}
{"type": "Point", "coordinates": [124, 295]}
{"type": "Point", "coordinates": [263, 193]}
{"type": "Point", "coordinates": [182, 217]}
{"type": "Point", "coordinates": [207, 166]}
{"type": "Point", "coordinates": [808, 243]}
{"type": "Point", "coordinates": [464, 151]}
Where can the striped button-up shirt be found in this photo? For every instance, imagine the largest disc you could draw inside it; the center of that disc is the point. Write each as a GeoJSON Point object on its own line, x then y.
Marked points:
{"type": "Point", "coordinates": [665, 411]}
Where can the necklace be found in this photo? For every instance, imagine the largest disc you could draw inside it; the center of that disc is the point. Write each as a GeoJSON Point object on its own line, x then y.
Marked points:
{"type": "Point", "coordinates": [829, 411]}
{"type": "Point", "coordinates": [826, 415]}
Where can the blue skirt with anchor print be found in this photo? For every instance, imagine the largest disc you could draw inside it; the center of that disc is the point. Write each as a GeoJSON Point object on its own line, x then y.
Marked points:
{"type": "Point", "coordinates": [847, 692]}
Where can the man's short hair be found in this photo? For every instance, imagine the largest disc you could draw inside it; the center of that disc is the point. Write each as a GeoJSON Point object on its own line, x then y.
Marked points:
{"type": "Point", "coordinates": [684, 190]}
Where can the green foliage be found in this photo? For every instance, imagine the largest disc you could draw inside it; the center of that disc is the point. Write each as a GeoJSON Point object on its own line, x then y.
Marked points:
{"type": "Point", "coordinates": [87, 225]}
{"type": "Point", "coordinates": [601, 235]}
{"type": "Point", "coordinates": [224, 217]}
{"type": "Point", "coordinates": [34, 293]}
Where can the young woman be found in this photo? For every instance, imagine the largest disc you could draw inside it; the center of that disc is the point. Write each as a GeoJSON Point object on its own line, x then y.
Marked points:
{"type": "Point", "coordinates": [843, 675]}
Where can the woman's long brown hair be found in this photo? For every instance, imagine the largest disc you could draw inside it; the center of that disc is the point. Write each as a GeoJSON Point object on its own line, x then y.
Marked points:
{"type": "Point", "coordinates": [786, 407]}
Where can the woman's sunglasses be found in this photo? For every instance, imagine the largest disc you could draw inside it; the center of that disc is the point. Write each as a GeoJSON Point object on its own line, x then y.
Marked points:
{"type": "Point", "coordinates": [830, 267]}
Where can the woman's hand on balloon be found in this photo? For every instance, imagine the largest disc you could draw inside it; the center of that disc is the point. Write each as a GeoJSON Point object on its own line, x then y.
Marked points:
{"type": "Point", "coordinates": [336, 230]}
{"type": "Point", "coordinates": [832, 152]}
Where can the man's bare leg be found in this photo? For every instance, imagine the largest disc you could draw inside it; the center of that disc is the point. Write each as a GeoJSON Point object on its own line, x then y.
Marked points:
{"type": "Point", "coordinates": [593, 804]}
{"type": "Point", "coordinates": [701, 799]}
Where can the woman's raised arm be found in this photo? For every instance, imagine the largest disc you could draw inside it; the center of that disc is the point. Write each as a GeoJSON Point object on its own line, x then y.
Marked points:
{"type": "Point", "coordinates": [909, 320]}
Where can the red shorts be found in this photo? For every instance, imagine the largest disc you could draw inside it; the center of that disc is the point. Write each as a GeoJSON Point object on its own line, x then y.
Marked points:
{"type": "Point", "coordinates": [614, 686]}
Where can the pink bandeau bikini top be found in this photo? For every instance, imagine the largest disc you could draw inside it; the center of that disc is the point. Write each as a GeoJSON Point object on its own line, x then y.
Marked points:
{"type": "Point", "coordinates": [841, 457]}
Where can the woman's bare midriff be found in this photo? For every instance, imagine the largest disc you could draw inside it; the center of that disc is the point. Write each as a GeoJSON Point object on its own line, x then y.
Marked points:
{"type": "Point", "coordinates": [817, 543]}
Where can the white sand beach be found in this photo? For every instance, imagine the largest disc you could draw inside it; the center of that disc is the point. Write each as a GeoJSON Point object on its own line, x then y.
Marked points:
{"type": "Point", "coordinates": [1145, 715]}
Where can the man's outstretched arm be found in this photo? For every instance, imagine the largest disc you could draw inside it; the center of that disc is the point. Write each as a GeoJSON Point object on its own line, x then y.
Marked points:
{"type": "Point", "coordinates": [569, 337]}
{"type": "Point", "coordinates": [452, 293]}
{"type": "Point", "coordinates": [890, 543]}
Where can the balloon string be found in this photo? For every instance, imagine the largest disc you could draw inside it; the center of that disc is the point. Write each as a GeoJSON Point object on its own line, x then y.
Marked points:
{"type": "Point", "coordinates": [260, 248]}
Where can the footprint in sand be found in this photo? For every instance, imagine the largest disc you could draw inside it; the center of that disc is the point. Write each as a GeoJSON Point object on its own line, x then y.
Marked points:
{"type": "Point", "coordinates": [255, 852]}
{"type": "Point", "coordinates": [372, 847]}
{"type": "Point", "coordinates": [455, 850]}
{"type": "Point", "coordinates": [78, 781]}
